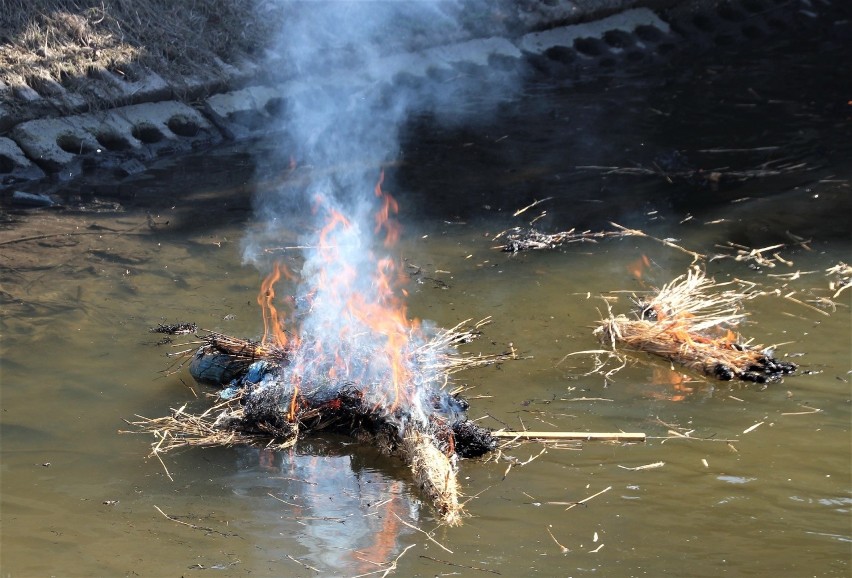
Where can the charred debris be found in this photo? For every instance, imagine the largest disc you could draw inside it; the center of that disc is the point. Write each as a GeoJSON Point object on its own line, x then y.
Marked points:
{"type": "Point", "coordinates": [254, 407]}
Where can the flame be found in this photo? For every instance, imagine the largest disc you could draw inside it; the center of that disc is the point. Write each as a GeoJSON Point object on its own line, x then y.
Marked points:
{"type": "Point", "coordinates": [392, 324]}
{"type": "Point", "coordinates": [273, 327]}
{"type": "Point", "coordinates": [386, 316]}
{"type": "Point", "coordinates": [297, 381]}
{"type": "Point", "coordinates": [356, 329]}
{"type": "Point", "coordinates": [383, 220]}
{"type": "Point", "coordinates": [336, 219]}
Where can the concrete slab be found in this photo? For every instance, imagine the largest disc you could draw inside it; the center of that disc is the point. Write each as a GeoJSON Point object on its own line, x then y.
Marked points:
{"type": "Point", "coordinates": [8, 117]}
{"type": "Point", "coordinates": [247, 112]}
{"type": "Point", "coordinates": [14, 165]}
{"type": "Point", "coordinates": [133, 84]}
{"type": "Point", "coordinates": [142, 131]}
{"type": "Point", "coordinates": [181, 126]}
{"type": "Point", "coordinates": [473, 52]}
{"type": "Point", "coordinates": [26, 94]}
{"type": "Point", "coordinates": [200, 85]}
{"type": "Point", "coordinates": [59, 97]}
{"type": "Point", "coordinates": [239, 73]}
{"type": "Point", "coordinates": [567, 36]}
{"type": "Point", "coordinates": [254, 111]}
{"type": "Point", "coordinates": [45, 142]}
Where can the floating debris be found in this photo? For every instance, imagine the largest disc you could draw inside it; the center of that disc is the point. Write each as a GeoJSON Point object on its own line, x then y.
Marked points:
{"type": "Point", "coordinates": [841, 275]}
{"type": "Point", "coordinates": [530, 239]}
{"type": "Point", "coordinates": [255, 407]}
{"type": "Point", "coordinates": [175, 328]}
{"type": "Point", "coordinates": [689, 322]}
{"type": "Point", "coordinates": [675, 169]}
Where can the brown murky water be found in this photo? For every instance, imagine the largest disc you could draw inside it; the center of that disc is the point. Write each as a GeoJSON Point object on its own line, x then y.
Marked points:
{"type": "Point", "coordinates": [78, 499]}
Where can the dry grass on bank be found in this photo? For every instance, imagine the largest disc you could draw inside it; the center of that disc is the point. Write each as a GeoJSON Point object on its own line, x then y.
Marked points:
{"type": "Point", "coordinates": [62, 40]}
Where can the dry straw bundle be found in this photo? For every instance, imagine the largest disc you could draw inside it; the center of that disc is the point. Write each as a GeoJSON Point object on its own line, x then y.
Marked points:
{"type": "Point", "coordinates": [690, 322]}
{"type": "Point", "coordinates": [246, 417]}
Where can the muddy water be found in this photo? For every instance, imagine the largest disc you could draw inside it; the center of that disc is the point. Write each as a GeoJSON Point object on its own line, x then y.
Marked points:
{"type": "Point", "coordinates": [80, 499]}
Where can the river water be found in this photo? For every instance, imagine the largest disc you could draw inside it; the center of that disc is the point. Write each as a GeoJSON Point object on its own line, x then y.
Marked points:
{"type": "Point", "coordinates": [80, 499]}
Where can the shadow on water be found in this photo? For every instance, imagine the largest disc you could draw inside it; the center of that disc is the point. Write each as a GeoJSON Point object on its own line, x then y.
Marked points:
{"type": "Point", "coordinates": [77, 358]}
{"type": "Point", "coordinates": [742, 126]}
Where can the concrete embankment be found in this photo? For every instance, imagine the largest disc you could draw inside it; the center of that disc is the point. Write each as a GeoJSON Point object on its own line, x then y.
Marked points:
{"type": "Point", "coordinates": [49, 131]}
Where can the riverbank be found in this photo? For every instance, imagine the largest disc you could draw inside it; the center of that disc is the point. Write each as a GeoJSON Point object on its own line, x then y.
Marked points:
{"type": "Point", "coordinates": [116, 86]}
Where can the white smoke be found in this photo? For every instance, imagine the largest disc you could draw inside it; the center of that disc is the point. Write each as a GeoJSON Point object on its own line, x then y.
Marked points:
{"type": "Point", "coordinates": [353, 72]}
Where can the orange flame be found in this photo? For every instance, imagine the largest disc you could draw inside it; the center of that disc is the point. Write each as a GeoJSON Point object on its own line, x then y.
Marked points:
{"type": "Point", "coordinates": [273, 326]}
{"type": "Point", "coordinates": [337, 219]}
{"type": "Point", "coordinates": [291, 415]}
{"type": "Point", "coordinates": [375, 316]}
{"type": "Point", "coordinates": [386, 316]}
{"type": "Point", "coordinates": [383, 220]}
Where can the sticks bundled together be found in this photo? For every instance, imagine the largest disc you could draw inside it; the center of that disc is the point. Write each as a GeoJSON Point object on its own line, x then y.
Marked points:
{"type": "Point", "coordinates": [253, 408]}
{"type": "Point", "coordinates": [434, 473]}
{"type": "Point", "coordinates": [687, 323]}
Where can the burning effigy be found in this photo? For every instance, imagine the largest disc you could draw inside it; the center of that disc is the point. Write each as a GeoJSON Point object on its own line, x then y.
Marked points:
{"type": "Point", "coordinates": [343, 357]}
{"type": "Point", "coordinates": [691, 322]}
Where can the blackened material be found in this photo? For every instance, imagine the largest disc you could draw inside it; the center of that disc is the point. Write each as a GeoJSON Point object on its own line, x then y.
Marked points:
{"type": "Point", "coordinates": [216, 369]}
{"type": "Point", "coordinates": [262, 413]}
{"type": "Point", "coordinates": [768, 370]}
{"type": "Point", "coordinates": [175, 328]}
{"type": "Point", "coordinates": [472, 441]}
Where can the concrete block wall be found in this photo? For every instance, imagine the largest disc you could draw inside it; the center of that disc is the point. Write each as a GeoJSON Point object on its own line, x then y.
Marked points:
{"type": "Point", "coordinates": [254, 111]}
{"type": "Point", "coordinates": [14, 164]}
{"type": "Point", "coordinates": [48, 132]}
{"type": "Point", "coordinates": [145, 131]}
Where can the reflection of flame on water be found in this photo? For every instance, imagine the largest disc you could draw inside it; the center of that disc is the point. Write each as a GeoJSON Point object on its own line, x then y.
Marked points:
{"type": "Point", "coordinates": [681, 384]}
{"type": "Point", "coordinates": [638, 267]}
{"type": "Point", "coordinates": [348, 517]}
{"type": "Point", "coordinates": [386, 538]}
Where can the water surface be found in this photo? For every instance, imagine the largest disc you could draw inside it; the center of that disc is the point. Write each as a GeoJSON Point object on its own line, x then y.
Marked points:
{"type": "Point", "coordinates": [79, 499]}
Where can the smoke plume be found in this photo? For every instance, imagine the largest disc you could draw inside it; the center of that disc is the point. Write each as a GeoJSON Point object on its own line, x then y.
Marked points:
{"type": "Point", "coordinates": [351, 74]}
